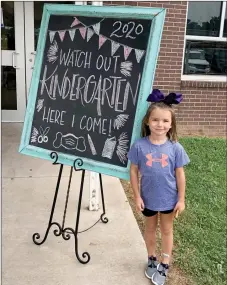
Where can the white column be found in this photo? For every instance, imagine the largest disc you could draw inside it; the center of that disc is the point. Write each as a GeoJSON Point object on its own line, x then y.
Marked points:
{"type": "Point", "coordinates": [94, 188]}
{"type": "Point", "coordinates": [80, 2]}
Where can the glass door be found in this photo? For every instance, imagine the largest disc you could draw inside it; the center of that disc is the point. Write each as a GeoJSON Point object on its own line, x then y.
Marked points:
{"type": "Point", "coordinates": [13, 94]}
{"type": "Point", "coordinates": [33, 15]}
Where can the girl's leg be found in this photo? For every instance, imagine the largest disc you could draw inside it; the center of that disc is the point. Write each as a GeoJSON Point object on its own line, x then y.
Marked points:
{"type": "Point", "coordinates": [150, 234]}
{"type": "Point", "coordinates": [166, 226]}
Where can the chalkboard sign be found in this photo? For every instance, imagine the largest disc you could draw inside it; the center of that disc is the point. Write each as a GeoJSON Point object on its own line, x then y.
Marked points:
{"type": "Point", "coordinates": [93, 71]}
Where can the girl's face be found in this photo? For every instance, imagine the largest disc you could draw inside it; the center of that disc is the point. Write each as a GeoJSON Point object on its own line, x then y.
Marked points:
{"type": "Point", "coordinates": [160, 122]}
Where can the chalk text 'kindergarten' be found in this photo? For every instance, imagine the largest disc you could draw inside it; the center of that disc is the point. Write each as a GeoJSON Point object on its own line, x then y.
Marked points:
{"type": "Point", "coordinates": [94, 89]}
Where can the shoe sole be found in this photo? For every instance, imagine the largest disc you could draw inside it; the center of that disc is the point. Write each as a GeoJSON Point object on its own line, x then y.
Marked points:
{"type": "Point", "coordinates": [153, 280]}
{"type": "Point", "coordinates": [148, 275]}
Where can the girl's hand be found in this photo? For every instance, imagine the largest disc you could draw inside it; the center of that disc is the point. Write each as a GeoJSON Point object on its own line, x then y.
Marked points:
{"type": "Point", "coordinates": [139, 204]}
{"type": "Point", "coordinates": [179, 208]}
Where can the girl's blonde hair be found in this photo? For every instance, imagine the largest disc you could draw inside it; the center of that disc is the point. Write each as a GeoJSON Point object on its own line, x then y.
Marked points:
{"type": "Point", "coordinates": [145, 130]}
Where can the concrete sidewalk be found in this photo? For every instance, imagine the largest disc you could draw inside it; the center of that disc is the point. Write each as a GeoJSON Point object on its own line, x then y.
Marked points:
{"type": "Point", "coordinates": [117, 249]}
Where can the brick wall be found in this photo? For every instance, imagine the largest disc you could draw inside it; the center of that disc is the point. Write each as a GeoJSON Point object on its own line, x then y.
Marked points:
{"type": "Point", "coordinates": [203, 110]}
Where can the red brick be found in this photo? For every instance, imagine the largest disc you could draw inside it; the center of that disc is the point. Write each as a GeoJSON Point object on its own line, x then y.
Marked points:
{"type": "Point", "coordinates": [203, 110]}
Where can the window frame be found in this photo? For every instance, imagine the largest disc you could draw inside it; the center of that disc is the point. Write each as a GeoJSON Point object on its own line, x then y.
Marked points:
{"type": "Point", "coordinates": [198, 77]}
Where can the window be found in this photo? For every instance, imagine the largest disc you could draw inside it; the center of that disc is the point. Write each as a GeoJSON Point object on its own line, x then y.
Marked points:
{"type": "Point", "coordinates": [205, 54]}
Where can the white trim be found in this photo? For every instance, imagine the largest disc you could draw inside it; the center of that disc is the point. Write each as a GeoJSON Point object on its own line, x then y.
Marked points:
{"type": "Point", "coordinates": [216, 78]}
{"type": "Point", "coordinates": [97, 3]}
{"type": "Point", "coordinates": [202, 78]}
{"type": "Point", "coordinates": [18, 114]}
{"type": "Point", "coordinates": [222, 19]}
{"type": "Point", "coordinates": [206, 39]}
{"type": "Point", "coordinates": [80, 2]}
{"type": "Point", "coordinates": [94, 186]}
{"type": "Point", "coordinates": [182, 66]}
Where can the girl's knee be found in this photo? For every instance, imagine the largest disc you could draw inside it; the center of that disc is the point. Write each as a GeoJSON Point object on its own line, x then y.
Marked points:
{"type": "Point", "coordinates": [167, 231]}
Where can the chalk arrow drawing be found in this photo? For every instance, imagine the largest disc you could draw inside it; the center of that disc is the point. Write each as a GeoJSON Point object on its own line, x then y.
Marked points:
{"type": "Point", "coordinates": [120, 121]}
{"type": "Point", "coordinates": [91, 144]}
{"type": "Point", "coordinates": [122, 147]}
{"type": "Point", "coordinates": [69, 141]}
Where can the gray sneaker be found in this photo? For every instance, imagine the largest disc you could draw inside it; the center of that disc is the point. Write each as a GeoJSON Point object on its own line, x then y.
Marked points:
{"type": "Point", "coordinates": [159, 277]}
{"type": "Point", "coordinates": [151, 267]}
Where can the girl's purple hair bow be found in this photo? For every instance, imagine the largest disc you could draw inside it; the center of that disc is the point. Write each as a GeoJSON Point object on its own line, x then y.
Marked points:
{"type": "Point", "coordinates": [158, 96]}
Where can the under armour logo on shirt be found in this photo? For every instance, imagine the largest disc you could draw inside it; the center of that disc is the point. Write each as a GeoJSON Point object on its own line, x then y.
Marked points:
{"type": "Point", "coordinates": [162, 160]}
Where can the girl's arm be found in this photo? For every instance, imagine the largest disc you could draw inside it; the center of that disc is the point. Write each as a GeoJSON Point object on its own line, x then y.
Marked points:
{"type": "Point", "coordinates": [180, 178]}
{"type": "Point", "coordinates": [181, 183]}
{"type": "Point", "coordinates": [134, 179]}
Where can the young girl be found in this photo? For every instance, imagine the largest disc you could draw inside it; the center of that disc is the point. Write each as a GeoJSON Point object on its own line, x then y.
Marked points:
{"type": "Point", "coordinates": [160, 159]}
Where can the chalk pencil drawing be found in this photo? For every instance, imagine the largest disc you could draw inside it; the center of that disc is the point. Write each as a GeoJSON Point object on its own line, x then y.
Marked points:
{"type": "Point", "coordinates": [91, 144]}
{"type": "Point", "coordinates": [52, 52]}
{"type": "Point", "coordinates": [34, 135]}
{"type": "Point", "coordinates": [43, 135]}
{"type": "Point", "coordinates": [122, 147]}
{"type": "Point", "coordinates": [126, 68]}
{"type": "Point", "coordinates": [40, 104]}
{"type": "Point", "coordinates": [109, 147]}
{"type": "Point", "coordinates": [120, 121]}
{"type": "Point", "coordinates": [69, 141]}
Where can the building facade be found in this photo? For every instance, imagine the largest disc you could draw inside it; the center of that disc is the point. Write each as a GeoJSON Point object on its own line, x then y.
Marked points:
{"type": "Point", "coordinates": [192, 59]}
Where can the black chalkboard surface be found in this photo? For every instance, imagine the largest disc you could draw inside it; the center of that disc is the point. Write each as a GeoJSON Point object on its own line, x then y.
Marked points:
{"type": "Point", "coordinates": [93, 71]}
{"type": "Point", "coordinates": [89, 86]}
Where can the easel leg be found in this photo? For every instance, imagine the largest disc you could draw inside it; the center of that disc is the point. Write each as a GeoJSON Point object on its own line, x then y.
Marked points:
{"type": "Point", "coordinates": [84, 254]}
{"type": "Point", "coordinates": [67, 232]}
{"type": "Point", "coordinates": [103, 219]}
{"type": "Point", "coordinates": [57, 232]}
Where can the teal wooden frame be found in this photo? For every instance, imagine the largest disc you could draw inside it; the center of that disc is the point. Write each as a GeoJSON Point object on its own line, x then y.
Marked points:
{"type": "Point", "coordinates": [157, 15]}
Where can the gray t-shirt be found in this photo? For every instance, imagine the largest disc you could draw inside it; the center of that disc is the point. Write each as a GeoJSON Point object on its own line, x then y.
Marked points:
{"type": "Point", "coordinates": [157, 164]}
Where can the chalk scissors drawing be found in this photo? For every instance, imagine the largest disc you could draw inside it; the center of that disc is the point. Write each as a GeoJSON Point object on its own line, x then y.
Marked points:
{"type": "Point", "coordinates": [69, 141]}
{"type": "Point", "coordinates": [43, 135]}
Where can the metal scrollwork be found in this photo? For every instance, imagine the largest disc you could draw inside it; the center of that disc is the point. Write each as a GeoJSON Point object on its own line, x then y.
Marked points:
{"type": "Point", "coordinates": [66, 233]}
{"type": "Point", "coordinates": [54, 155]}
{"type": "Point", "coordinates": [77, 163]}
{"type": "Point", "coordinates": [104, 219]}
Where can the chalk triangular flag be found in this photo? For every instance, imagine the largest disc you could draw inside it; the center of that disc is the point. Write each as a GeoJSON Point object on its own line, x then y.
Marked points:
{"type": "Point", "coordinates": [75, 22]}
{"type": "Point", "coordinates": [114, 47]}
{"type": "Point", "coordinates": [96, 28]}
{"type": "Point", "coordinates": [51, 34]}
{"type": "Point", "coordinates": [90, 33]}
{"type": "Point", "coordinates": [61, 35]}
{"type": "Point", "coordinates": [72, 34]}
{"type": "Point", "coordinates": [83, 32]}
{"type": "Point", "coordinates": [127, 51]}
{"type": "Point", "coordinates": [102, 40]}
{"type": "Point", "coordinates": [139, 53]}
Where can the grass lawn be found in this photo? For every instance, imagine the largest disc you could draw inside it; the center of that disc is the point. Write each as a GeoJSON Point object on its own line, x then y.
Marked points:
{"type": "Point", "coordinates": [200, 232]}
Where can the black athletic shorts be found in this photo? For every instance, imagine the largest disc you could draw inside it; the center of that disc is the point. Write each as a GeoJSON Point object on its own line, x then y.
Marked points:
{"type": "Point", "coordinates": [149, 213]}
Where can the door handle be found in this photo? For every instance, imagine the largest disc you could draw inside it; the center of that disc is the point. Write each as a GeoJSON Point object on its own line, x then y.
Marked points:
{"type": "Point", "coordinates": [14, 59]}
{"type": "Point", "coordinates": [33, 53]}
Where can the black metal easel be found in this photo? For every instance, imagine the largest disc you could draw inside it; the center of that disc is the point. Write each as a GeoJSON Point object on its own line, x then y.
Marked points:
{"type": "Point", "coordinates": [65, 232]}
